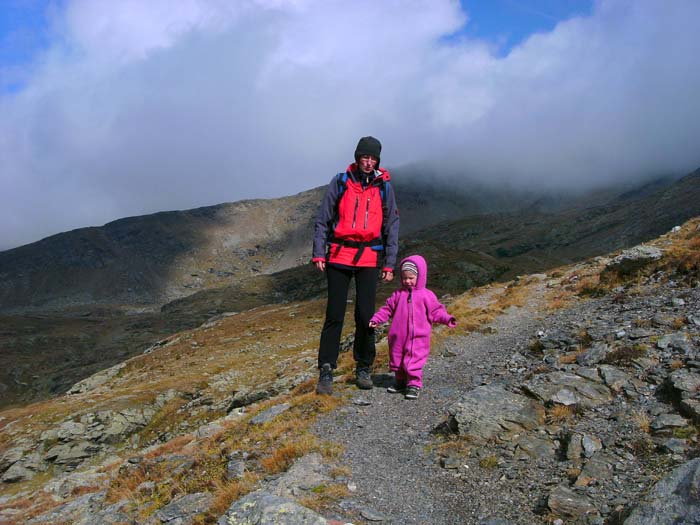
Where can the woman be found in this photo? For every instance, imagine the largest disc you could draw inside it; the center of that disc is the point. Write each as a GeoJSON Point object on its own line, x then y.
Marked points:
{"type": "Point", "coordinates": [356, 234]}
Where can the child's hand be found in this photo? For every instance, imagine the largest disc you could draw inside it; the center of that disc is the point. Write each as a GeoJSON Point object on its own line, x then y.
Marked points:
{"type": "Point", "coordinates": [452, 322]}
{"type": "Point", "coordinates": [372, 324]}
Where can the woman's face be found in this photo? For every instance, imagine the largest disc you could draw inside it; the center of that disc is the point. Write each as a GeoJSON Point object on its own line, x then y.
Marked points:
{"type": "Point", "coordinates": [367, 163]}
{"type": "Point", "coordinates": [408, 279]}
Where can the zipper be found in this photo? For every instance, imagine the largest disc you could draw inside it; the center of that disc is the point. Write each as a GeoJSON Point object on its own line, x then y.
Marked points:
{"type": "Point", "coordinates": [367, 213]}
{"type": "Point", "coordinates": [354, 213]}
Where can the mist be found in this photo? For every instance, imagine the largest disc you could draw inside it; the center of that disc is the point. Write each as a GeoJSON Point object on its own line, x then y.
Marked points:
{"type": "Point", "coordinates": [138, 107]}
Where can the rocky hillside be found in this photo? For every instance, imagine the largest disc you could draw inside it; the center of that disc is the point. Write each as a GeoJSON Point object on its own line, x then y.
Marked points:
{"type": "Point", "coordinates": [561, 398]}
{"type": "Point", "coordinates": [150, 260]}
{"type": "Point", "coordinates": [47, 350]}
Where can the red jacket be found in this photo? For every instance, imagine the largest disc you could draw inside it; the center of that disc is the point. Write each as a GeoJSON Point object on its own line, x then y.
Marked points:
{"type": "Point", "coordinates": [350, 229]}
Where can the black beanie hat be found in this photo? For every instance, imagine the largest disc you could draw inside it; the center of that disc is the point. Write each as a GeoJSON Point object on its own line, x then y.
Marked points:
{"type": "Point", "coordinates": [368, 146]}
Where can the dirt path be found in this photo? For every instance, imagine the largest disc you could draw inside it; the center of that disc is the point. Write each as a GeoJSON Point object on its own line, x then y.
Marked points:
{"type": "Point", "coordinates": [388, 443]}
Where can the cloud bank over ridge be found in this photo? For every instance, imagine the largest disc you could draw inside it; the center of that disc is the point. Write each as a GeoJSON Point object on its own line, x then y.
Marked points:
{"type": "Point", "coordinates": [144, 106]}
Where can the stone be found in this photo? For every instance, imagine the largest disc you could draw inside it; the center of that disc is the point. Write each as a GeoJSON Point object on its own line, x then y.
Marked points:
{"type": "Point", "coordinates": [18, 472]}
{"type": "Point", "coordinates": [594, 355]}
{"type": "Point", "coordinates": [490, 410]}
{"type": "Point", "coordinates": [675, 446]}
{"type": "Point", "coordinates": [678, 341]}
{"type": "Point", "coordinates": [535, 447]}
{"type": "Point", "coordinates": [674, 499]}
{"type": "Point", "coordinates": [684, 382]}
{"type": "Point", "coordinates": [567, 503]}
{"type": "Point", "coordinates": [95, 380]}
{"type": "Point", "coordinates": [574, 449]}
{"type": "Point", "coordinates": [77, 511]}
{"type": "Point", "coordinates": [691, 408]}
{"type": "Point", "coordinates": [629, 261]}
{"type": "Point", "coordinates": [614, 377]}
{"type": "Point", "coordinates": [185, 507]}
{"type": "Point", "coordinates": [307, 473]}
{"type": "Point", "coordinates": [269, 414]}
{"type": "Point", "coordinates": [591, 445]}
{"type": "Point", "coordinates": [72, 454]}
{"type": "Point", "coordinates": [667, 422]}
{"type": "Point", "coordinates": [263, 508]}
{"type": "Point", "coordinates": [235, 468]}
{"type": "Point", "coordinates": [555, 386]}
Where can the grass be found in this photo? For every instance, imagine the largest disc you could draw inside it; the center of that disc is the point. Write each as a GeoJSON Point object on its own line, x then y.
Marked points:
{"type": "Point", "coordinates": [641, 419]}
{"type": "Point", "coordinates": [560, 413]}
{"type": "Point", "coordinates": [488, 462]}
{"type": "Point", "coordinates": [625, 355]}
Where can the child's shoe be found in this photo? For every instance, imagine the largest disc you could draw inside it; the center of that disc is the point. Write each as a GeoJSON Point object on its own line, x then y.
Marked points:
{"type": "Point", "coordinates": [412, 392]}
{"type": "Point", "coordinates": [396, 388]}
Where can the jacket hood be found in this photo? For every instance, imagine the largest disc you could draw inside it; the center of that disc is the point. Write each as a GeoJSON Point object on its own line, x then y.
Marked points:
{"type": "Point", "coordinates": [422, 266]}
{"type": "Point", "coordinates": [382, 174]}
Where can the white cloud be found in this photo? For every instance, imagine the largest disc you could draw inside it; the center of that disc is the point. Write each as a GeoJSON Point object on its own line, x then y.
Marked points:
{"type": "Point", "coordinates": [146, 106]}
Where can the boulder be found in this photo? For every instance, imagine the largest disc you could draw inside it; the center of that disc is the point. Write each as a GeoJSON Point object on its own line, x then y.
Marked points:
{"type": "Point", "coordinates": [629, 261]}
{"type": "Point", "coordinates": [183, 509]}
{"type": "Point", "coordinates": [269, 414]}
{"type": "Point", "coordinates": [95, 380]}
{"type": "Point", "coordinates": [263, 508]}
{"type": "Point", "coordinates": [567, 389]}
{"type": "Point", "coordinates": [674, 499]}
{"type": "Point", "coordinates": [568, 503]}
{"type": "Point", "coordinates": [594, 355]}
{"type": "Point", "coordinates": [490, 410]}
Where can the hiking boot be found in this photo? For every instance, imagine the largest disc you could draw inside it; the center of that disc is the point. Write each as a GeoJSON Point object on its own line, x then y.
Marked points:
{"type": "Point", "coordinates": [325, 380]}
{"type": "Point", "coordinates": [412, 392]}
{"type": "Point", "coordinates": [363, 379]}
{"type": "Point", "coordinates": [396, 388]}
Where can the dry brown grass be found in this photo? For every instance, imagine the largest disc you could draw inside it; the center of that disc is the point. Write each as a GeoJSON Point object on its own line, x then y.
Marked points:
{"type": "Point", "coordinates": [641, 419]}
{"type": "Point", "coordinates": [324, 496]}
{"type": "Point", "coordinates": [678, 323]}
{"type": "Point", "coordinates": [226, 492]}
{"type": "Point", "coordinates": [676, 364]}
{"type": "Point", "coordinates": [173, 446]}
{"type": "Point", "coordinates": [560, 413]}
{"type": "Point", "coordinates": [569, 358]}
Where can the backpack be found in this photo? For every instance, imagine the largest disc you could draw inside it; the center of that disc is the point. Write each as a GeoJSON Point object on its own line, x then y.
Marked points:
{"type": "Point", "coordinates": [375, 244]}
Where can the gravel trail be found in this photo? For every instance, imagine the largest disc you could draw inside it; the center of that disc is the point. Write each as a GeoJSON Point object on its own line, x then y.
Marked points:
{"type": "Point", "coordinates": [389, 445]}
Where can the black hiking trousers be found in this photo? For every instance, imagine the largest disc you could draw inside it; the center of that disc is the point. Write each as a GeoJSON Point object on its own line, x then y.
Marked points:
{"type": "Point", "coordinates": [365, 296]}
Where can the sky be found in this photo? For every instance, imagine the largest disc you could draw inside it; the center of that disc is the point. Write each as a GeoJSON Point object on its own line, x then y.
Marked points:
{"type": "Point", "coordinates": [115, 109]}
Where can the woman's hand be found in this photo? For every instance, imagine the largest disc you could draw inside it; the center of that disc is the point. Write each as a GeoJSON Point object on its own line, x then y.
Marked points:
{"type": "Point", "coordinates": [321, 265]}
{"type": "Point", "coordinates": [387, 275]}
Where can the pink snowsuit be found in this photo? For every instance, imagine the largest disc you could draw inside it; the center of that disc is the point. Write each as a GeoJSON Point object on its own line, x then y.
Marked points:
{"type": "Point", "coordinates": [413, 312]}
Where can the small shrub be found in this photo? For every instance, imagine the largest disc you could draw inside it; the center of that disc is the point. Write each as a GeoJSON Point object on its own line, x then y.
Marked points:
{"type": "Point", "coordinates": [684, 432]}
{"type": "Point", "coordinates": [641, 419]}
{"type": "Point", "coordinates": [642, 447]}
{"type": "Point", "coordinates": [676, 364]}
{"type": "Point", "coordinates": [536, 346]}
{"type": "Point", "coordinates": [624, 355]}
{"type": "Point", "coordinates": [560, 413]}
{"type": "Point", "coordinates": [489, 462]}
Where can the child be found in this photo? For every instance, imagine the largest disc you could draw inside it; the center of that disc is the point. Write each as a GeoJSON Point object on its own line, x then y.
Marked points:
{"type": "Point", "coordinates": [414, 309]}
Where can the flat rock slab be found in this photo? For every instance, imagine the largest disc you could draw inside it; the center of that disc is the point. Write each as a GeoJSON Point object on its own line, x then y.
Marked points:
{"type": "Point", "coordinates": [567, 389]}
{"type": "Point", "coordinates": [490, 410]}
{"type": "Point", "coordinates": [183, 509]}
{"type": "Point", "coordinates": [567, 503]}
{"type": "Point", "coordinates": [269, 414]}
{"type": "Point", "coordinates": [674, 499]}
{"type": "Point", "coordinates": [263, 508]}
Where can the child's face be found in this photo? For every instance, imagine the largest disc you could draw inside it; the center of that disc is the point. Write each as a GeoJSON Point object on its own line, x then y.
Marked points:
{"type": "Point", "coordinates": [408, 279]}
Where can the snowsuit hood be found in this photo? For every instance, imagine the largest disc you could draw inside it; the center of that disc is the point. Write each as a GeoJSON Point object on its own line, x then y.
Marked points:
{"type": "Point", "coordinates": [419, 261]}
